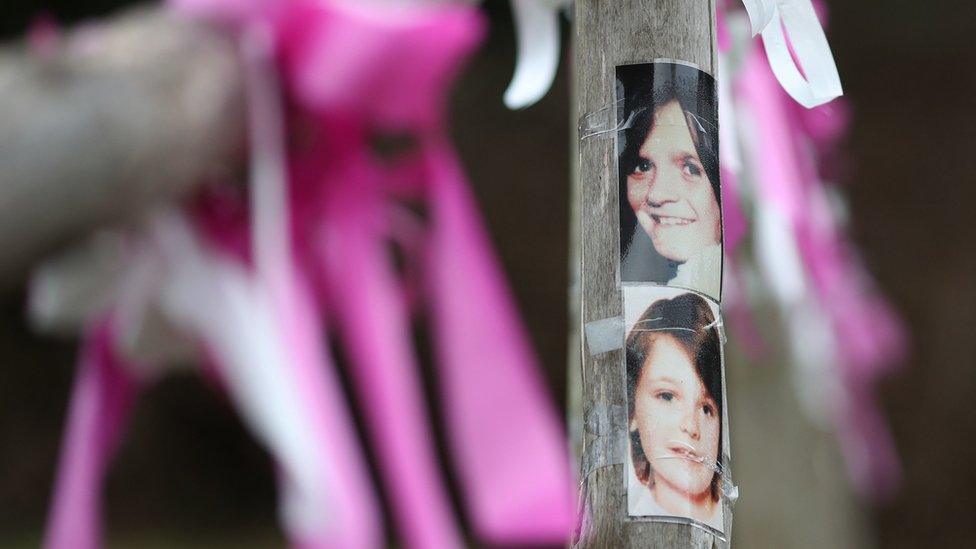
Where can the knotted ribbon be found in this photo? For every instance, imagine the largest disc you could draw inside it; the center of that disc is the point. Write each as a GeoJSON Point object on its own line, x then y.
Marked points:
{"type": "Point", "coordinates": [796, 48]}
{"type": "Point", "coordinates": [251, 285]}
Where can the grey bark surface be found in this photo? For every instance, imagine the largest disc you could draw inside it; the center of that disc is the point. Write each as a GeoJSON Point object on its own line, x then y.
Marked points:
{"type": "Point", "coordinates": [610, 34]}
{"type": "Point", "coordinates": [100, 124]}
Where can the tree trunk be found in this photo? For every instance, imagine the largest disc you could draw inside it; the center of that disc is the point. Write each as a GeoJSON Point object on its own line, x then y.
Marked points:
{"type": "Point", "coordinates": [609, 34]}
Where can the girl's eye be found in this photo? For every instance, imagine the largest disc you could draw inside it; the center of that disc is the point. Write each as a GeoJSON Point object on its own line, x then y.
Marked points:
{"type": "Point", "coordinates": [691, 169]}
{"type": "Point", "coordinates": [643, 166]}
{"type": "Point", "coordinates": [666, 396]}
{"type": "Point", "coordinates": [708, 409]}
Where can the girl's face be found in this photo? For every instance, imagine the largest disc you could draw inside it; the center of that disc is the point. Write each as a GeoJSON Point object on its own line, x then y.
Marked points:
{"type": "Point", "coordinates": [678, 423]}
{"type": "Point", "coordinates": [669, 190]}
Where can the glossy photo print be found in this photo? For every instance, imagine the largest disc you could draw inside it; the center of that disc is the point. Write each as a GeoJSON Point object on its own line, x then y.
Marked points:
{"type": "Point", "coordinates": [668, 172]}
{"type": "Point", "coordinates": [675, 406]}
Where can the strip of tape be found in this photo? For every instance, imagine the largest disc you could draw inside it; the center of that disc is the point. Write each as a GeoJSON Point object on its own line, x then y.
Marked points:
{"type": "Point", "coordinates": [719, 325]}
{"type": "Point", "coordinates": [604, 335]}
{"type": "Point", "coordinates": [608, 334]}
{"type": "Point", "coordinates": [609, 447]}
{"type": "Point", "coordinates": [601, 452]}
{"type": "Point", "coordinates": [608, 424]}
{"type": "Point", "coordinates": [601, 123]}
{"type": "Point", "coordinates": [606, 121]}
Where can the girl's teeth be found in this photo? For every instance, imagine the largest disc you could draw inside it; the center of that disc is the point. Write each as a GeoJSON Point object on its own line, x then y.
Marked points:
{"type": "Point", "coordinates": [672, 221]}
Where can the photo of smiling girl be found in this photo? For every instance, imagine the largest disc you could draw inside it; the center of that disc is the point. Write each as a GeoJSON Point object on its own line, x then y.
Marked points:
{"type": "Point", "coordinates": [670, 203]}
{"type": "Point", "coordinates": [675, 405]}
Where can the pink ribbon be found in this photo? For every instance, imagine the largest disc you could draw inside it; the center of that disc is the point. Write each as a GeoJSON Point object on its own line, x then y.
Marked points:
{"type": "Point", "coordinates": [507, 442]}
{"type": "Point", "coordinates": [505, 438]}
{"type": "Point", "coordinates": [101, 400]}
{"type": "Point", "coordinates": [322, 222]}
{"type": "Point", "coordinates": [362, 289]}
{"type": "Point", "coordinates": [870, 339]}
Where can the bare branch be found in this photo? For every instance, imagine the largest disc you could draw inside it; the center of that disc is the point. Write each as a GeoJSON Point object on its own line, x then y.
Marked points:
{"type": "Point", "coordinates": [114, 117]}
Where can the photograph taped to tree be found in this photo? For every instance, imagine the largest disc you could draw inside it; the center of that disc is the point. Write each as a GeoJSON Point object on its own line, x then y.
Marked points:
{"type": "Point", "coordinates": [676, 420]}
{"type": "Point", "coordinates": [668, 175]}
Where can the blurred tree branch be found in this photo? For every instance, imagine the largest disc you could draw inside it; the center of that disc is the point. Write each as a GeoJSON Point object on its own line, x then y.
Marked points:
{"type": "Point", "coordinates": [102, 122]}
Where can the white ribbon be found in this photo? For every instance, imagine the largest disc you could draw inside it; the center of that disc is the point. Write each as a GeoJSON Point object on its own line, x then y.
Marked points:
{"type": "Point", "coordinates": [270, 216]}
{"type": "Point", "coordinates": [761, 13]}
{"type": "Point", "coordinates": [769, 17]}
{"type": "Point", "coordinates": [234, 314]}
{"type": "Point", "coordinates": [537, 36]}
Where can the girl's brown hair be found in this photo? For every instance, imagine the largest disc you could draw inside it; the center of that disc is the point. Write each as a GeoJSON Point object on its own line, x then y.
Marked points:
{"type": "Point", "coordinates": [688, 319]}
